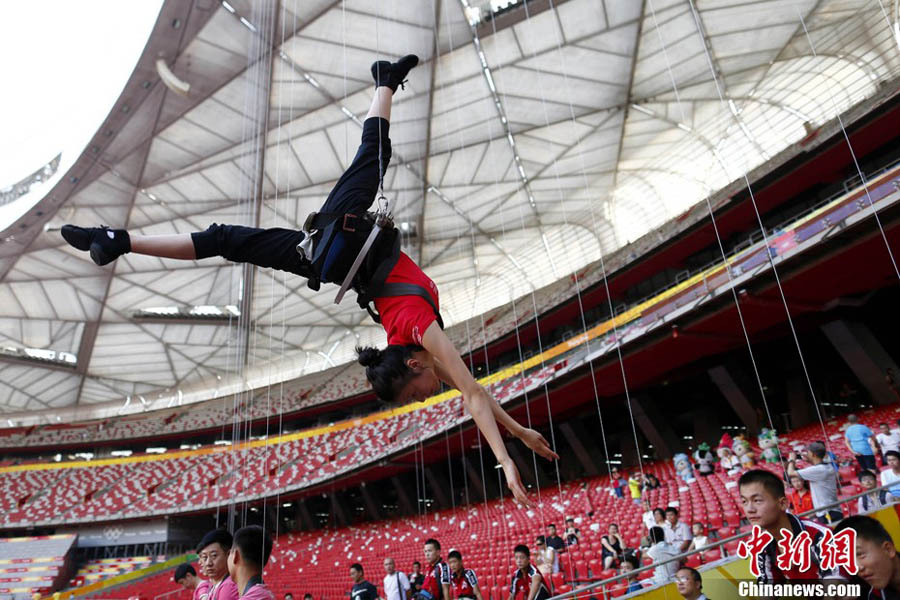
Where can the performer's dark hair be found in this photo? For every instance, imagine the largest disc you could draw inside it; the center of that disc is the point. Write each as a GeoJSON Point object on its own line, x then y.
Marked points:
{"type": "Point", "coordinates": [386, 369]}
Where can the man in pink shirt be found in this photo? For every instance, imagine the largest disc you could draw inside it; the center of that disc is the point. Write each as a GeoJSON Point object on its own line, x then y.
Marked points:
{"type": "Point", "coordinates": [186, 576]}
{"type": "Point", "coordinates": [249, 554]}
{"type": "Point", "coordinates": [212, 552]}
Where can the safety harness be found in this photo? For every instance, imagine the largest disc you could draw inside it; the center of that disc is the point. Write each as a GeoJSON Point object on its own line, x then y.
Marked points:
{"type": "Point", "coordinates": [335, 242]}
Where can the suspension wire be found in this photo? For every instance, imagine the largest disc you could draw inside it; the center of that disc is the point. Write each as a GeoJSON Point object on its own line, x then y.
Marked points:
{"type": "Point", "coordinates": [461, 147]}
{"type": "Point", "coordinates": [584, 326]}
{"type": "Point", "coordinates": [765, 235]}
{"type": "Point", "coordinates": [266, 73]}
{"type": "Point", "coordinates": [543, 365]}
{"type": "Point", "coordinates": [416, 474]}
{"type": "Point", "coordinates": [279, 449]}
{"type": "Point", "coordinates": [547, 123]}
{"type": "Point", "coordinates": [264, 462]}
{"type": "Point", "coordinates": [450, 469]}
{"type": "Point", "coordinates": [862, 176]}
{"type": "Point", "coordinates": [380, 149]}
{"type": "Point", "coordinates": [737, 305]}
{"type": "Point", "coordinates": [246, 195]}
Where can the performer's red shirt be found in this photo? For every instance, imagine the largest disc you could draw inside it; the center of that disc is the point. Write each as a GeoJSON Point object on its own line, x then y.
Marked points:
{"type": "Point", "coordinates": [405, 318]}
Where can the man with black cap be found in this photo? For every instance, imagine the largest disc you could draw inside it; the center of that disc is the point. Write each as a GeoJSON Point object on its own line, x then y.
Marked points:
{"type": "Point", "coordinates": [822, 481]}
{"type": "Point", "coordinates": [212, 552]}
{"type": "Point", "coordinates": [186, 577]}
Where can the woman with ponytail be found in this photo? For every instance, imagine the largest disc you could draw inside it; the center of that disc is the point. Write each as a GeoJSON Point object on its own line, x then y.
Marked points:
{"type": "Point", "coordinates": [419, 355]}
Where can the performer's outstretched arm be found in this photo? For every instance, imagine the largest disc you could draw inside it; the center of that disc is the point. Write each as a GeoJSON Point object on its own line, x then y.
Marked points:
{"type": "Point", "coordinates": [484, 409]}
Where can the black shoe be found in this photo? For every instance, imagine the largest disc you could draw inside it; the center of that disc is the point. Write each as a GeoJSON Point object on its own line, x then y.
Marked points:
{"type": "Point", "coordinates": [393, 74]}
{"type": "Point", "coordinates": [104, 244]}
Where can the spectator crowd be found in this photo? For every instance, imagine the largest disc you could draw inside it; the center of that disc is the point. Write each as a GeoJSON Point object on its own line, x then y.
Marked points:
{"type": "Point", "coordinates": [804, 498]}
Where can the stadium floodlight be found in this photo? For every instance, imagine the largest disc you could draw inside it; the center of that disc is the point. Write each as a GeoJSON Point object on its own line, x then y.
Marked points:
{"type": "Point", "coordinates": [205, 312]}
{"type": "Point", "coordinates": [58, 358]}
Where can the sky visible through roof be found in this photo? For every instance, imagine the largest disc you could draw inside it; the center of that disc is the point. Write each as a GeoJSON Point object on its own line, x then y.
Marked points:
{"type": "Point", "coordinates": [63, 66]}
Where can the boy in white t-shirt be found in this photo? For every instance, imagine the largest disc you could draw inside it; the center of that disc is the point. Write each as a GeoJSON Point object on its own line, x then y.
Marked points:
{"type": "Point", "coordinates": [892, 473]}
{"type": "Point", "coordinates": [700, 538]}
{"type": "Point", "coordinates": [887, 439]}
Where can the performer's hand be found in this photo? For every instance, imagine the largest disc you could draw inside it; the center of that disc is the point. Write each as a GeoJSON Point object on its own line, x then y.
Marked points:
{"type": "Point", "coordinates": [515, 483]}
{"type": "Point", "coordinates": [536, 442]}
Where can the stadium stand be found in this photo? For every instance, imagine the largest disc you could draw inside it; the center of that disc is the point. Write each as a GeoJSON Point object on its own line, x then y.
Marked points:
{"type": "Point", "coordinates": [102, 568]}
{"type": "Point", "coordinates": [199, 479]}
{"type": "Point", "coordinates": [786, 240]}
{"type": "Point", "coordinates": [146, 588]}
{"type": "Point", "coordinates": [212, 475]}
{"type": "Point", "coordinates": [30, 565]}
{"type": "Point", "coordinates": [315, 561]}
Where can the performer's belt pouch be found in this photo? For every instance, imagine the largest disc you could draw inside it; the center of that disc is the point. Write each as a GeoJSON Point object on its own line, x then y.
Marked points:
{"type": "Point", "coordinates": [337, 240]}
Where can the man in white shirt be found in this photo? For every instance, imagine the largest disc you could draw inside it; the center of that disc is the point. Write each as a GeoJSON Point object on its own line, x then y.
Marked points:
{"type": "Point", "coordinates": [396, 583]}
{"type": "Point", "coordinates": [677, 533]}
{"type": "Point", "coordinates": [822, 481]}
{"type": "Point", "coordinates": [887, 439]}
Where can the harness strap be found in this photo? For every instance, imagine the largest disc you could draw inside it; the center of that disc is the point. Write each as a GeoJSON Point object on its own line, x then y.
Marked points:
{"type": "Point", "coordinates": [406, 289]}
{"type": "Point", "coordinates": [320, 221]}
{"type": "Point", "coordinates": [357, 262]}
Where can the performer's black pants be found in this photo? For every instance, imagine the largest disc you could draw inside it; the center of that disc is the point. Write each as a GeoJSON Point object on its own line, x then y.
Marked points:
{"type": "Point", "coordinates": [277, 248]}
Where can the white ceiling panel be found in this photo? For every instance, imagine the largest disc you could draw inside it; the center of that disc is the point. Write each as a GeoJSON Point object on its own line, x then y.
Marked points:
{"type": "Point", "coordinates": [610, 106]}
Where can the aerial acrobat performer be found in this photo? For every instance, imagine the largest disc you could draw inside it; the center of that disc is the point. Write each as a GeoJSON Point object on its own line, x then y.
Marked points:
{"type": "Point", "coordinates": [419, 355]}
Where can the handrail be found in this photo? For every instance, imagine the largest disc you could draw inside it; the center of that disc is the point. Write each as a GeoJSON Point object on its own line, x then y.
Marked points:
{"type": "Point", "coordinates": [678, 557]}
{"type": "Point", "coordinates": [167, 594]}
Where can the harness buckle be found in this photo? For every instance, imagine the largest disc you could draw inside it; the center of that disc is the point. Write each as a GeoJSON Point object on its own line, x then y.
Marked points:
{"type": "Point", "coordinates": [346, 227]}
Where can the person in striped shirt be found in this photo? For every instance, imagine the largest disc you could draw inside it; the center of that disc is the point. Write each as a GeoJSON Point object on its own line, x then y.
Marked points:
{"type": "Point", "coordinates": [463, 581]}
{"type": "Point", "coordinates": [527, 582]}
{"type": "Point", "coordinates": [765, 505]}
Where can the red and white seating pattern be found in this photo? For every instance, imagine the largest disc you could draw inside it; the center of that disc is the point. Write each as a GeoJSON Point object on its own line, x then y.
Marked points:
{"type": "Point", "coordinates": [316, 562]}
{"type": "Point", "coordinates": [31, 565]}
{"type": "Point", "coordinates": [104, 568]}
{"type": "Point", "coordinates": [202, 480]}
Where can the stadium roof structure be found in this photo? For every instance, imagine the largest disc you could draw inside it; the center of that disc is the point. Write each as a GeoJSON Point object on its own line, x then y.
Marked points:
{"type": "Point", "coordinates": [531, 139]}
